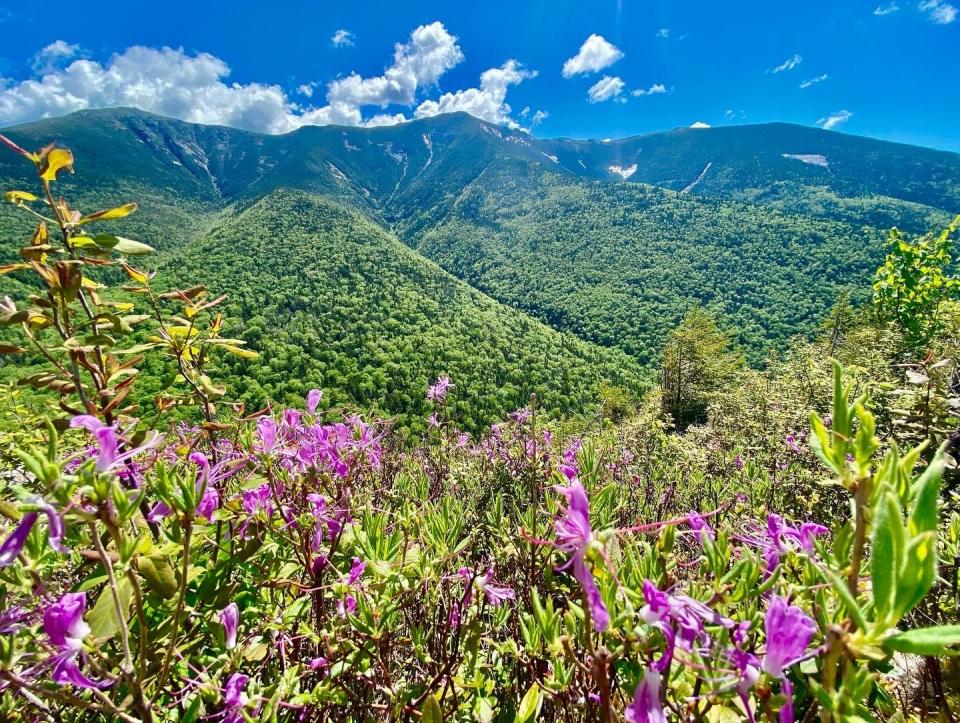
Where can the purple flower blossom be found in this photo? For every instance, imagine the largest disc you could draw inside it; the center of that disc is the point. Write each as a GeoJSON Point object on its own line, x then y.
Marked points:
{"type": "Point", "coordinates": [158, 512]}
{"type": "Point", "coordinates": [437, 392]}
{"type": "Point", "coordinates": [681, 618]}
{"type": "Point", "coordinates": [788, 631]}
{"type": "Point", "coordinates": [433, 421]}
{"type": "Point", "coordinates": [235, 698]}
{"type": "Point", "coordinates": [13, 619]}
{"type": "Point", "coordinates": [645, 706]}
{"type": "Point", "coordinates": [495, 594]}
{"type": "Point", "coordinates": [356, 570]}
{"type": "Point", "coordinates": [64, 625]}
{"type": "Point", "coordinates": [230, 619]}
{"type": "Point", "coordinates": [267, 431]}
{"type": "Point", "coordinates": [109, 458]}
{"type": "Point", "coordinates": [346, 605]}
{"type": "Point", "coordinates": [782, 538]}
{"type": "Point", "coordinates": [13, 545]}
{"type": "Point", "coordinates": [313, 400]}
{"type": "Point", "coordinates": [699, 526]}
{"type": "Point", "coordinates": [574, 536]}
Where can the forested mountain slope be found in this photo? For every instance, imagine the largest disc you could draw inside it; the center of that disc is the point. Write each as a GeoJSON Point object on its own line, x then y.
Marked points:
{"type": "Point", "coordinates": [611, 241]}
{"type": "Point", "coordinates": [332, 301]}
{"type": "Point", "coordinates": [619, 264]}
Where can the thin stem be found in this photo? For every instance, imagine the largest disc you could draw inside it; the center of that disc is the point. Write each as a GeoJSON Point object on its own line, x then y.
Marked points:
{"type": "Point", "coordinates": [184, 569]}
{"type": "Point", "coordinates": [127, 668]}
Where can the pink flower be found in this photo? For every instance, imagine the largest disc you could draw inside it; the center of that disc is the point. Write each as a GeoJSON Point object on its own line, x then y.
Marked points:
{"type": "Point", "coordinates": [13, 545]}
{"type": "Point", "coordinates": [230, 619]}
{"type": "Point", "coordinates": [789, 631]}
{"type": "Point", "coordinates": [313, 400]}
{"type": "Point", "coordinates": [267, 430]}
{"type": "Point", "coordinates": [573, 536]}
{"type": "Point", "coordinates": [437, 392]}
{"type": "Point", "coordinates": [64, 625]}
{"type": "Point", "coordinates": [235, 698]}
{"type": "Point", "coordinates": [645, 706]}
{"type": "Point", "coordinates": [109, 458]}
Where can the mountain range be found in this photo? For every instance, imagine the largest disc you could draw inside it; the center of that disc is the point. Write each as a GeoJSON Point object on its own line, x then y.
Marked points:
{"type": "Point", "coordinates": [368, 260]}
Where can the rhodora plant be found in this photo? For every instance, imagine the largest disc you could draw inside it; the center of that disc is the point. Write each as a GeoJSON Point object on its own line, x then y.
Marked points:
{"type": "Point", "coordinates": [301, 564]}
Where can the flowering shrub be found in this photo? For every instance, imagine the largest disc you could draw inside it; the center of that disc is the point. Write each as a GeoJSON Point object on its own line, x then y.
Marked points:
{"type": "Point", "coordinates": [295, 565]}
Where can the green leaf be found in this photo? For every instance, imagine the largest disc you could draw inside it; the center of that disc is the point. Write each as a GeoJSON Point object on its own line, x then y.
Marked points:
{"type": "Point", "coordinates": [431, 711]}
{"type": "Point", "coordinates": [102, 619]}
{"type": "Point", "coordinates": [917, 573]}
{"type": "Point", "coordinates": [840, 586]}
{"type": "Point", "coordinates": [530, 705]}
{"type": "Point", "coordinates": [157, 570]}
{"type": "Point", "coordinates": [243, 353]}
{"type": "Point", "coordinates": [887, 549]}
{"type": "Point", "coordinates": [939, 640]}
{"type": "Point", "coordinates": [109, 214]}
{"type": "Point", "coordinates": [122, 245]}
{"type": "Point", "coordinates": [926, 492]}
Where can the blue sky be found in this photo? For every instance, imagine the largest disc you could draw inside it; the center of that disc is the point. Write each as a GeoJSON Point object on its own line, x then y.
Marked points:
{"type": "Point", "coordinates": [878, 68]}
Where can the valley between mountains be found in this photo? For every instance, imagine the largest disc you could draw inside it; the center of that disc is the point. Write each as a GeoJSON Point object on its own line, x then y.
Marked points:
{"type": "Point", "coordinates": [369, 261]}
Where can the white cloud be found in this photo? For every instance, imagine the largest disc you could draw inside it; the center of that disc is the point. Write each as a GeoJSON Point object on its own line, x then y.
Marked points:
{"type": "Point", "coordinates": [487, 102]}
{"type": "Point", "coordinates": [594, 55]}
{"type": "Point", "coordinates": [54, 56]}
{"type": "Point", "coordinates": [604, 89]}
{"type": "Point", "coordinates": [812, 81]}
{"type": "Point", "coordinates": [342, 38]}
{"type": "Point", "coordinates": [788, 64]}
{"type": "Point", "coordinates": [699, 124]}
{"type": "Point", "coordinates": [886, 9]}
{"type": "Point", "coordinates": [655, 89]}
{"type": "Point", "coordinates": [166, 81]}
{"type": "Point", "coordinates": [538, 117]}
{"type": "Point", "coordinates": [663, 33]}
{"type": "Point", "coordinates": [939, 12]}
{"type": "Point", "coordinates": [834, 119]}
{"type": "Point", "coordinates": [430, 53]}
{"type": "Point", "coordinates": [195, 87]}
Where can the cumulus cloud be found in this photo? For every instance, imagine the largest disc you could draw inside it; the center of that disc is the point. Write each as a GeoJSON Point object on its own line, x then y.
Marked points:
{"type": "Point", "coordinates": [166, 81]}
{"type": "Point", "coordinates": [54, 56]}
{"type": "Point", "coordinates": [604, 89]}
{"type": "Point", "coordinates": [655, 89]}
{"type": "Point", "coordinates": [699, 124]}
{"type": "Point", "coordinates": [834, 119]}
{"type": "Point", "coordinates": [342, 38]}
{"type": "Point", "coordinates": [594, 55]}
{"type": "Point", "coordinates": [788, 64]}
{"type": "Point", "coordinates": [813, 81]}
{"type": "Point", "coordinates": [195, 87]}
{"type": "Point", "coordinates": [487, 102]}
{"type": "Point", "coordinates": [430, 53]}
{"type": "Point", "coordinates": [939, 12]}
{"type": "Point", "coordinates": [886, 9]}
